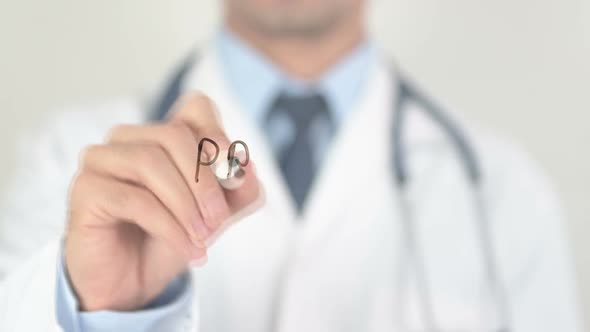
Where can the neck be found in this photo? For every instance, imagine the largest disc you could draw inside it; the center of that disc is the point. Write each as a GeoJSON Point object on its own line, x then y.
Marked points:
{"type": "Point", "coordinates": [304, 57]}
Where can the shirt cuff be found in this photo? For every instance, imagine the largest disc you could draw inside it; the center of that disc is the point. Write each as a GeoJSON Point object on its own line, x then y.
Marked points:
{"type": "Point", "coordinates": [168, 312]}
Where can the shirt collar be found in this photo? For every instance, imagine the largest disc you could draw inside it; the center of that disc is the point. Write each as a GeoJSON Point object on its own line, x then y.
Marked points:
{"type": "Point", "coordinates": [255, 80]}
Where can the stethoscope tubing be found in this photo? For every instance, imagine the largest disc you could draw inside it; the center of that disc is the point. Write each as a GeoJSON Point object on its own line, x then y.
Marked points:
{"type": "Point", "coordinates": [407, 93]}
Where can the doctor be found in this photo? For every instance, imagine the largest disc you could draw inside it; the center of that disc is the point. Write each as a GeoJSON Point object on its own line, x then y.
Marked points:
{"type": "Point", "coordinates": [123, 239]}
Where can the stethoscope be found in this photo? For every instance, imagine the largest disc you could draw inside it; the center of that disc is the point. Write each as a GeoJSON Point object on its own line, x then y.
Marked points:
{"type": "Point", "coordinates": [405, 94]}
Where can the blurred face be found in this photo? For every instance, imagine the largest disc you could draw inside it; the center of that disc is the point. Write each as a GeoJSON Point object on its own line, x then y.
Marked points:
{"type": "Point", "coordinates": [292, 18]}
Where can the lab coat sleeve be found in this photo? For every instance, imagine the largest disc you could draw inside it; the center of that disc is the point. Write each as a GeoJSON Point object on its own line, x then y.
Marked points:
{"type": "Point", "coordinates": [32, 219]}
{"type": "Point", "coordinates": [532, 246]}
{"type": "Point", "coordinates": [33, 204]}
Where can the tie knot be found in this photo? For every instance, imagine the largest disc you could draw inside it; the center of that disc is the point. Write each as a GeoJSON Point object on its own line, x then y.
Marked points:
{"type": "Point", "coordinates": [298, 128]}
{"type": "Point", "coordinates": [302, 110]}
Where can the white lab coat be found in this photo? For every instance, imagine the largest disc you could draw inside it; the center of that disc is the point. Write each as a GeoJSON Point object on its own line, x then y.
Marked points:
{"type": "Point", "coordinates": [342, 267]}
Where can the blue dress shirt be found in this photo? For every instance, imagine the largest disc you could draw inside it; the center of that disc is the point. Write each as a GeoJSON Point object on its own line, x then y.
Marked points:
{"type": "Point", "coordinates": [255, 81]}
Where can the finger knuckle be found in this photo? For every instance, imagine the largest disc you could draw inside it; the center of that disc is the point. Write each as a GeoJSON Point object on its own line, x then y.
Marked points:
{"type": "Point", "coordinates": [176, 133]}
{"type": "Point", "coordinates": [136, 200]}
{"type": "Point", "coordinates": [80, 183]}
{"type": "Point", "coordinates": [198, 102]}
{"type": "Point", "coordinates": [87, 155]}
{"type": "Point", "coordinates": [82, 196]}
{"type": "Point", "coordinates": [118, 131]}
{"type": "Point", "coordinates": [120, 196]}
{"type": "Point", "coordinates": [149, 157]}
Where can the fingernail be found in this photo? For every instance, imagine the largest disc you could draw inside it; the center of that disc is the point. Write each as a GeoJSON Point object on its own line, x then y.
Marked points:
{"type": "Point", "coordinates": [202, 230]}
{"type": "Point", "coordinates": [198, 242]}
{"type": "Point", "coordinates": [199, 261]}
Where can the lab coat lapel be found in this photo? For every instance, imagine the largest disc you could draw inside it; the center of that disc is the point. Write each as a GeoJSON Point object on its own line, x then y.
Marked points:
{"type": "Point", "coordinates": [348, 239]}
{"type": "Point", "coordinates": [360, 150]}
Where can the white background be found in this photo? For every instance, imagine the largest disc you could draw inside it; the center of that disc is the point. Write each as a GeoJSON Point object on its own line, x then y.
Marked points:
{"type": "Point", "coordinates": [520, 67]}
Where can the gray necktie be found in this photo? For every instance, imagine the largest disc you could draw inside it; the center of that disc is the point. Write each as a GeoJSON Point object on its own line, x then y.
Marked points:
{"type": "Point", "coordinates": [296, 158]}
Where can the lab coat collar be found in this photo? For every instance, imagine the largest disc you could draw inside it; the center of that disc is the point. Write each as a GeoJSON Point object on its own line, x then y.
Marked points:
{"type": "Point", "coordinates": [256, 80]}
